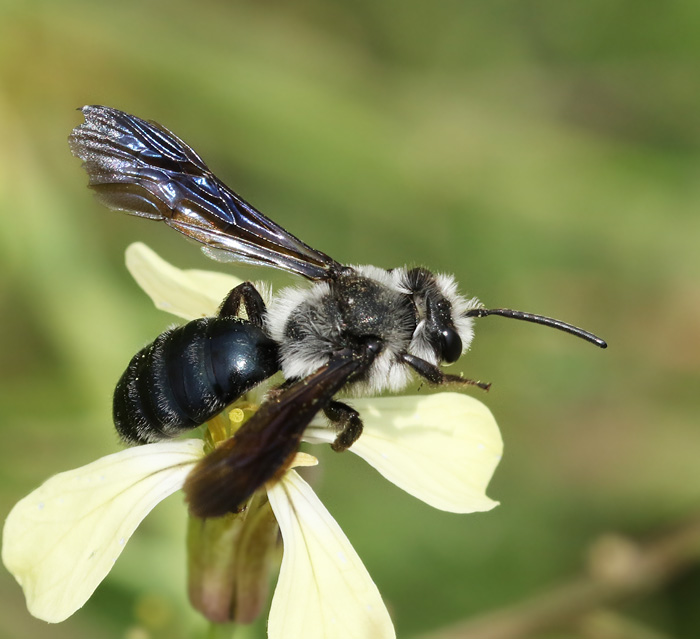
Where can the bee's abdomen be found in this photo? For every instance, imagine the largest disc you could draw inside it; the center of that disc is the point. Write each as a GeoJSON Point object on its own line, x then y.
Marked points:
{"type": "Point", "coordinates": [188, 375]}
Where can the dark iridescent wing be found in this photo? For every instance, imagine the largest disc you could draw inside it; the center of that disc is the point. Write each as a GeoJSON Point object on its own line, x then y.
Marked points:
{"type": "Point", "coordinates": [142, 168]}
{"type": "Point", "coordinates": [264, 446]}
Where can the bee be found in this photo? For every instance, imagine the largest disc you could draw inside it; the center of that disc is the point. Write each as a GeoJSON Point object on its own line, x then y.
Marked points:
{"type": "Point", "coordinates": [355, 329]}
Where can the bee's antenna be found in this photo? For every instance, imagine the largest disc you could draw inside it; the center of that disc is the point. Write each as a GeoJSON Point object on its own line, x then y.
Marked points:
{"type": "Point", "coordinates": [538, 319]}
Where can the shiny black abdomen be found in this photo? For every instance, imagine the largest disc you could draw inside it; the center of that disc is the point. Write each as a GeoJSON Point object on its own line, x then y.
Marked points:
{"type": "Point", "coordinates": [188, 375]}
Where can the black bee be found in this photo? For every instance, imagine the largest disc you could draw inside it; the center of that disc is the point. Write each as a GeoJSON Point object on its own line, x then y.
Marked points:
{"type": "Point", "coordinates": [359, 329]}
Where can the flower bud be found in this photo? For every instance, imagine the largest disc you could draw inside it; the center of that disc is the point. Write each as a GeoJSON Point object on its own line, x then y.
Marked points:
{"type": "Point", "coordinates": [230, 559]}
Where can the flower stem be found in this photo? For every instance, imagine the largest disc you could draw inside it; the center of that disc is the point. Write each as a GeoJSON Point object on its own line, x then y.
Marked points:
{"type": "Point", "coordinates": [221, 631]}
{"type": "Point", "coordinates": [619, 569]}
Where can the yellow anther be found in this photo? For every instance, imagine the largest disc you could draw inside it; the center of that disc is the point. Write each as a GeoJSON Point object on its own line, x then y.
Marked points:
{"type": "Point", "coordinates": [236, 416]}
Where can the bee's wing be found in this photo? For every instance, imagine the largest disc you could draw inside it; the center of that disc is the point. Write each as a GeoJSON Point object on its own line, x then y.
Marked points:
{"type": "Point", "coordinates": [265, 445]}
{"type": "Point", "coordinates": [142, 168]}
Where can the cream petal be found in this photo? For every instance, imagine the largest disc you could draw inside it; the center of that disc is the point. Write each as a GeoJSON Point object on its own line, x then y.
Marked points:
{"type": "Point", "coordinates": [187, 293]}
{"type": "Point", "coordinates": [303, 459]}
{"type": "Point", "coordinates": [324, 591]}
{"type": "Point", "coordinates": [440, 448]}
{"type": "Point", "coordinates": [60, 541]}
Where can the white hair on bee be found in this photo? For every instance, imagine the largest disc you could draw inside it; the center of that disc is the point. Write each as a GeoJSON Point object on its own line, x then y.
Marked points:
{"type": "Point", "coordinates": [265, 289]}
{"type": "Point", "coordinates": [309, 325]}
{"type": "Point", "coordinates": [460, 305]}
{"type": "Point", "coordinates": [298, 358]}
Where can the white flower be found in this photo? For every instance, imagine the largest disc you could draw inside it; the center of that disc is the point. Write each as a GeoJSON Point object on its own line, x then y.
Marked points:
{"type": "Point", "coordinates": [61, 541]}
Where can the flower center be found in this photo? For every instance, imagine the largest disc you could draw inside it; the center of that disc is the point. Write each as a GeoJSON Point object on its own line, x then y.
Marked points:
{"type": "Point", "coordinates": [226, 423]}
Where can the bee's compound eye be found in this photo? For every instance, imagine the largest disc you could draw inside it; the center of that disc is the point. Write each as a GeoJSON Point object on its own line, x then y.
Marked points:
{"type": "Point", "coordinates": [450, 345]}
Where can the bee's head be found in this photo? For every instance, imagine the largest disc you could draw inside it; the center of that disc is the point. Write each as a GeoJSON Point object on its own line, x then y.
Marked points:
{"type": "Point", "coordinates": [443, 330]}
{"type": "Point", "coordinates": [444, 318]}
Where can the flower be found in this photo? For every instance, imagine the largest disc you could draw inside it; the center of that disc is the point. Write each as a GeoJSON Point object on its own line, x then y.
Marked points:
{"type": "Point", "coordinates": [61, 541]}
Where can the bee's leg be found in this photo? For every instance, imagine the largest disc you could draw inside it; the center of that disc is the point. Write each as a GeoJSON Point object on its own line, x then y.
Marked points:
{"type": "Point", "coordinates": [247, 295]}
{"type": "Point", "coordinates": [347, 420]}
{"type": "Point", "coordinates": [435, 376]}
{"type": "Point", "coordinates": [276, 392]}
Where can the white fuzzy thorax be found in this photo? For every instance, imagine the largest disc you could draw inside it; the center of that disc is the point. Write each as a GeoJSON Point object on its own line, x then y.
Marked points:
{"type": "Point", "coordinates": [388, 373]}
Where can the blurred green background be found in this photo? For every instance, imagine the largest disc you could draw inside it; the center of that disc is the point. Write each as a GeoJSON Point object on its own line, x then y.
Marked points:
{"type": "Point", "coordinates": [547, 153]}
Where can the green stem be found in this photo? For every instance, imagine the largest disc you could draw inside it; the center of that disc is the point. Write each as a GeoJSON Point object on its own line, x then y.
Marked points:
{"type": "Point", "coordinates": [221, 631]}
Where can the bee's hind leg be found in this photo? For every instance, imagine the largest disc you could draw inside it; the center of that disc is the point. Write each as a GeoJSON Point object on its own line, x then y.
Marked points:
{"type": "Point", "coordinates": [348, 423]}
{"type": "Point", "coordinates": [251, 299]}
